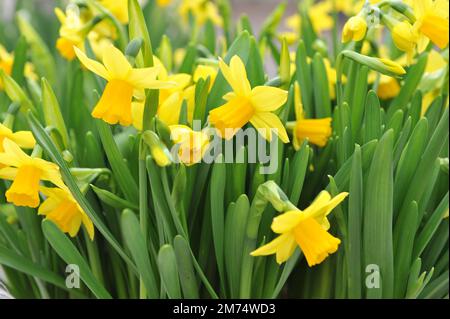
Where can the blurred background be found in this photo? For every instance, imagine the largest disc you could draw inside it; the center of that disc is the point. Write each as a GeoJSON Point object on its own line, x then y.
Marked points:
{"type": "Point", "coordinates": [257, 10]}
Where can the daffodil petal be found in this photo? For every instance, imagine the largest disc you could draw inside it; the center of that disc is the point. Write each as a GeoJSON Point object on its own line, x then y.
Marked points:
{"type": "Point", "coordinates": [241, 83]}
{"type": "Point", "coordinates": [116, 63]}
{"type": "Point", "coordinates": [287, 221]}
{"type": "Point", "coordinates": [267, 98]}
{"type": "Point", "coordinates": [24, 139]}
{"type": "Point", "coordinates": [8, 173]}
{"type": "Point", "coordinates": [265, 122]}
{"type": "Point", "coordinates": [92, 65]}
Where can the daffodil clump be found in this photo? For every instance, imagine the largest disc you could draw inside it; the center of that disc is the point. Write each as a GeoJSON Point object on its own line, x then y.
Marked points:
{"type": "Point", "coordinates": [169, 150]}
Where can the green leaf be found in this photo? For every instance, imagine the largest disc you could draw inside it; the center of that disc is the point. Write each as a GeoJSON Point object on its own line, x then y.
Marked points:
{"type": "Point", "coordinates": [430, 227]}
{"type": "Point", "coordinates": [422, 174]}
{"type": "Point", "coordinates": [121, 172]}
{"type": "Point", "coordinates": [11, 259]}
{"type": "Point", "coordinates": [15, 92]}
{"type": "Point", "coordinates": [40, 54]}
{"type": "Point", "coordinates": [218, 182]}
{"type": "Point", "coordinates": [404, 235]}
{"type": "Point", "coordinates": [113, 200]}
{"type": "Point", "coordinates": [188, 279]}
{"type": "Point", "coordinates": [69, 253]}
{"type": "Point", "coordinates": [358, 103]}
{"type": "Point", "coordinates": [52, 111]}
{"type": "Point", "coordinates": [322, 100]}
{"type": "Point", "coordinates": [235, 234]}
{"type": "Point", "coordinates": [378, 245]}
{"type": "Point", "coordinates": [304, 78]}
{"type": "Point", "coordinates": [135, 242]}
{"type": "Point", "coordinates": [372, 119]}
{"type": "Point", "coordinates": [169, 271]}
{"type": "Point", "coordinates": [355, 218]}
{"type": "Point", "coordinates": [409, 160]}
{"type": "Point", "coordinates": [20, 60]}
{"type": "Point", "coordinates": [411, 82]}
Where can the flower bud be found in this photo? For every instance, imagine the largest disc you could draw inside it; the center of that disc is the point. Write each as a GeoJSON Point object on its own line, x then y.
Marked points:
{"type": "Point", "coordinates": [354, 30]}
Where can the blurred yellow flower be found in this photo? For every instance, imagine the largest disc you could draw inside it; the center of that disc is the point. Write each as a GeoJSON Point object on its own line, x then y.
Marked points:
{"type": "Point", "coordinates": [192, 144]}
{"type": "Point", "coordinates": [388, 87]}
{"type": "Point", "coordinates": [71, 32]}
{"type": "Point", "coordinates": [26, 172]}
{"type": "Point", "coordinates": [61, 208]}
{"type": "Point", "coordinates": [7, 62]}
{"type": "Point", "coordinates": [201, 10]}
{"type": "Point", "coordinates": [119, 8]}
{"type": "Point", "coordinates": [431, 22]}
{"type": "Point", "coordinates": [245, 105]}
{"type": "Point", "coordinates": [354, 29]}
{"type": "Point", "coordinates": [115, 104]}
{"type": "Point", "coordinates": [306, 228]}
{"type": "Point", "coordinates": [316, 131]}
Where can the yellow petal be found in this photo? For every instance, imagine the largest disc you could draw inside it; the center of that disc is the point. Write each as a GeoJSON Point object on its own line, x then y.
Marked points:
{"type": "Point", "coordinates": [240, 75]}
{"type": "Point", "coordinates": [267, 122]}
{"type": "Point", "coordinates": [116, 63]}
{"type": "Point", "coordinates": [8, 173]}
{"type": "Point", "coordinates": [88, 225]}
{"type": "Point", "coordinates": [92, 65]}
{"type": "Point", "coordinates": [287, 221]}
{"type": "Point", "coordinates": [169, 110]}
{"type": "Point", "coordinates": [24, 139]}
{"type": "Point", "coordinates": [236, 76]}
{"type": "Point", "coordinates": [13, 155]}
{"type": "Point", "coordinates": [146, 79]}
{"type": "Point", "coordinates": [278, 244]}
{"type": "Point", "coordinates": [267, 98]}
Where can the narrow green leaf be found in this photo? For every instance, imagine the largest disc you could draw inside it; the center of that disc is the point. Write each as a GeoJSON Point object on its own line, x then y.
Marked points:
{"type": "Point", "coordinates": [69, 253]}
{"type": "Point", "coordinates": [188, 279]}
{"type": "Point", "coordinates": [135, 242]}
{"type": "Point", "coordinates": [378, 205]}
{"type": "Point", "coordinates": [168, 269]}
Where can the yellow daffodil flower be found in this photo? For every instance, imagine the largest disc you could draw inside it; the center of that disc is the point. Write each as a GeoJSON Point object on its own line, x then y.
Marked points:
{"type": "Point", "coordinates": [119, 8]}
{"type": "Point", "coordinates": [23, 139]}
{"type": "Point", "coordinates": [71, 32]}
{"type": "Point", "coordinates": [26, 172]}
{"type": "Point", "coordinates": [354, 29]}
{"type": "Point", "coordinates": [62, 209]}
{"type": "Point", "coordinates": [7, 62]}
{"type": "Point", "coordinates": [316, 131]}
{"type": "Point", "coordinates": [205, 71]}
{"type": "Point", "coordinates": [245, 104]}
{"type": "Point", "coordinates": [202, 10]}
{"type": "Point", "coordinates": [192, 144]}
{"type": "Point", "coordinates": [308, 229]}
{"type": "Point", "coordinates": [431, 22]}
{"type": "Point", "coordinates": [115, 104]}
